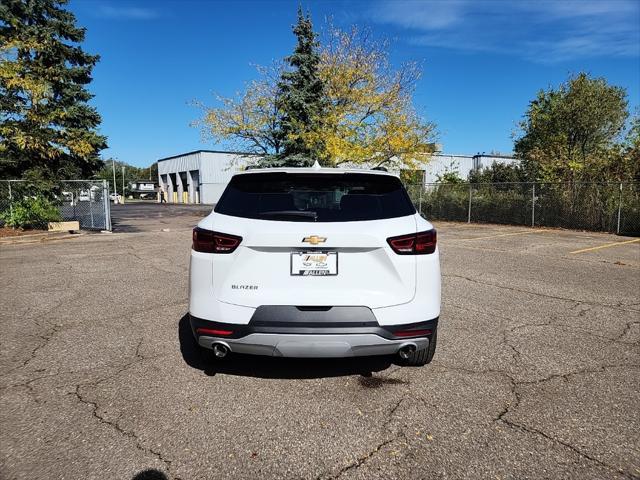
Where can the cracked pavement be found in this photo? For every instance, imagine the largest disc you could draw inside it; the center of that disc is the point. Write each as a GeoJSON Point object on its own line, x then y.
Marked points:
{"type": "Point", "coordinates": [536, 373]}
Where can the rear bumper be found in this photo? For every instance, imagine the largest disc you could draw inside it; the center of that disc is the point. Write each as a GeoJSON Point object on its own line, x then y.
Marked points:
{"type": "Point", "coordinates": [313, 346]}
{"type": "Point", "coordinates": [343, 337]}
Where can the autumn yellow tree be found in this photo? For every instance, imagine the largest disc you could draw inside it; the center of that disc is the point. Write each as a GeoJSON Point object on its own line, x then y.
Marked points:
{"type": "Point", "coordinates": [370, 118]}
{"type": "Point", "coordinates": [368, 114]}
{"type": "Point", "coordinates": [249, 121]}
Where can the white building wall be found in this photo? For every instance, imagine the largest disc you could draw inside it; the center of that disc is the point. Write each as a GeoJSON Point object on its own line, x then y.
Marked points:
{"type": "Point", "coordinates": [218, 167]}
{"type": "Point", "coordinates": [439, 164]}
{"type": "Point", "coordinates": [215, 169]}
{"type": "Point", "coordinates": [211, 192]}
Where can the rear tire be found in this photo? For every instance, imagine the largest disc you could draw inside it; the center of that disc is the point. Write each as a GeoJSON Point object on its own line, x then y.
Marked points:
{"type": "Point", "coordinates": [422, 357]}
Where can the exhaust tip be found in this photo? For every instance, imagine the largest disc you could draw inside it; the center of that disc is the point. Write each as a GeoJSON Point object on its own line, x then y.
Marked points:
{"type": "Point", "coordinates": [220, 350]}
{"type": "Point", "coordinates": [405, 351]}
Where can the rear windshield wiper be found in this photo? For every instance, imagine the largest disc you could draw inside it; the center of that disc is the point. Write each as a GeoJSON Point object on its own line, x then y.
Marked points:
{"type": "Point", "coordinates": [290, 213]}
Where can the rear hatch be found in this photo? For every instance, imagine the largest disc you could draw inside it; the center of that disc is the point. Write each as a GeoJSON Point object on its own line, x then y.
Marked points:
{"type": "Point", "coordinates": [314, 240]}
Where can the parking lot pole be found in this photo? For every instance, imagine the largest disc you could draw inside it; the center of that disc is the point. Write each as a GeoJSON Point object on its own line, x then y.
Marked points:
{"type": "Point", "coordinates": [115, 187]}
{"type": "Point", "coordinates": [469, 212]}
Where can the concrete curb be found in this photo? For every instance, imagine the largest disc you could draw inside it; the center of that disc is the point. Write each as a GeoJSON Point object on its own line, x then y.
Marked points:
{"type": "Point", "coordinates": [39, 237]}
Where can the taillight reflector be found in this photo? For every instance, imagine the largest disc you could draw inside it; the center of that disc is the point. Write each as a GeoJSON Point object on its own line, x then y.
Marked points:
{"type": "Point", "coordinates": [412, 333]}
{"type": "Point", "coordinates": [414, 243]}
{"type": "Point", "coordinates": [213, 331]}
{"type": "Point", "coordinates": [207, 241]}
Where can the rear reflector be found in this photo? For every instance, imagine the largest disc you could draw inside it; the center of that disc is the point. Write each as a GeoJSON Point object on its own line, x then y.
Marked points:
{"type": "Point", "coordinates": [412, 333]}
{"type": "Point", "coordinates": [207, 241]}
{"type": "Point", "coordinates": [213, 331]}
{"type": "Point", "coordinates": [414, 243]}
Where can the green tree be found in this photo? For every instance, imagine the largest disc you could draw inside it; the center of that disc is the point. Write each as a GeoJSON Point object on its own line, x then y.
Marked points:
{"type": "Point", "coordinates": [629, 157]}
{"type": "Point", "coordinates": [131, 174]}
{"type": "Point", "coordinates": [301, 98]}
{"type": "Point", "coordinates": [499, 173]}
{"type": "Point", "coordinates": [450, 175]}
{"type": "Point", "coordinates": [47, 128]}
{"type": "Point", "coordinates": [568, 133]}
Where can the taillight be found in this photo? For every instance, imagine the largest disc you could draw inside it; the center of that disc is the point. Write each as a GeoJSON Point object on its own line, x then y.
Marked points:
{"type": "Point", "coordinates": [414, 243]}
{"type": "Point", "coordinates": [412, 333]}
{"type": "Point", "coordinates": [213, 331]}
{"type": "Point", "coordinates": [207, 241]}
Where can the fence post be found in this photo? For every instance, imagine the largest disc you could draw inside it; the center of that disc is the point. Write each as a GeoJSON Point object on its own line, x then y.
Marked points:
{"type": "Point", "coordinates": [533, 205]}
{"type": "Point", "coordinates": [106, 206]}
{"type": "Point", "coordinates": [619, 209]}
{"type": "Point", "coordinates": [469, 212]}
{"type": "Point", "coordinates": [420, 201]}
{"type": "Point", "coordinates": [10, 199]}
{"type": "Point", "coordinates": [90, 190]}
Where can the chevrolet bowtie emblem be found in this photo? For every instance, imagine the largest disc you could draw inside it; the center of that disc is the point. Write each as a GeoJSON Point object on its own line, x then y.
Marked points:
{"type": "Point", "coordinates": [314, 239]}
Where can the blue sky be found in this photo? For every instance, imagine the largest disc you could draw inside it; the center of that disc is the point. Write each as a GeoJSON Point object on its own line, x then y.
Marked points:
{"type": "Point", "coordinates": [483, 61]}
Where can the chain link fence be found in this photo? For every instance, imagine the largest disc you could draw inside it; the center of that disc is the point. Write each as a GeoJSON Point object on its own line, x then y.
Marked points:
{"type": "Point", "coordinates": [86, 201]}
{"type": "Point", "coordinates": [605, 207]}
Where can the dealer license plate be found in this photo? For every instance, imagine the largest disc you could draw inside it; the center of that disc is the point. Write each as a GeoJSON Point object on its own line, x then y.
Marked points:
{"type": "Point", "coordinates": [314, 263]}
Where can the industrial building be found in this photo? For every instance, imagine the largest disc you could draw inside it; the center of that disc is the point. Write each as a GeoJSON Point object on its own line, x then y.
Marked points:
{"type": "Point", "coordinates": [201, 176]}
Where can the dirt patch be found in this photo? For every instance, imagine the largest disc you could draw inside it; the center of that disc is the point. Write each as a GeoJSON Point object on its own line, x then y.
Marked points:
{"type": "Point", "coordinates": [377, 382]}
{"type": "Point", "coordinates": [13, 232]}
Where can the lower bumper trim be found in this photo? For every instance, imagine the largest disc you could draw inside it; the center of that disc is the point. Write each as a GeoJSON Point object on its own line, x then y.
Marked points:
{"type": "Point", "coordinates": [313, 327]}
{"type": "Point", "coordinates": [313, 346]}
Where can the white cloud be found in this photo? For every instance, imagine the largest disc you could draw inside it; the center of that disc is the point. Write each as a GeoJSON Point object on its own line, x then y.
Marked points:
{"type": "Point", "coordinates": [581, 8]}
{"type": "Point", "coordinates": [125, 12]}
{"type": "Point", "coordinates": [418, 14]}
{"type": "Point", "coordinates": [543, 31]}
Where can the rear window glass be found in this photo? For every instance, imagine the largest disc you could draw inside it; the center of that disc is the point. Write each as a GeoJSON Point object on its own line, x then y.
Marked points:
{"type": "Point", "coordinates": [301, 197]}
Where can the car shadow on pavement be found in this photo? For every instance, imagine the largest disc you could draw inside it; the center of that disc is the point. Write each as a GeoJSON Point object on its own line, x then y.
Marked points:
{"type": "Point", "coordinates": [150, 474]}
{"type": "Point", "coordinates": [275, 367]}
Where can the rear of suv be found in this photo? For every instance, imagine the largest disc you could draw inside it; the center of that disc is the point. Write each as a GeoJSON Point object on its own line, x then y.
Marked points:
{"type": "Point", "coordinates": [307, 262]}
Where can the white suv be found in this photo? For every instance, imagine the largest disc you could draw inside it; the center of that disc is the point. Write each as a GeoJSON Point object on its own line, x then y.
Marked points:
{"type": "Point", "coordinates": [309, 262]}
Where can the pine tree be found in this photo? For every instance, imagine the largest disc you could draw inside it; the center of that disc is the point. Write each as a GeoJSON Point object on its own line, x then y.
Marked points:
{"type": "Point", "coordinates": [47, 128]}
{"type": "Point", "coordinates": [301, 95]}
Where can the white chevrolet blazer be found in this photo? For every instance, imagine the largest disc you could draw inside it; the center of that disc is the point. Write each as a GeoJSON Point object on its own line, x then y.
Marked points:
{"type": "Point", "coordinates": [309, 262]}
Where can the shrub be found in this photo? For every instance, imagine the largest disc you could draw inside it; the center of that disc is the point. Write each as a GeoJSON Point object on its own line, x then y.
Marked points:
{"type": "Point", "coordinates": [499, 173]}
{"type": "Point", "coordinates": [447, 201]}
{"type": "Point", "coordinates": [449, 178]}
{"type": "Point", "coordinates": [31, 212]}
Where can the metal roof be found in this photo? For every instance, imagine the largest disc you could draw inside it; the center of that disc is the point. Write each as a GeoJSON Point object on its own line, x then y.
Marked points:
{"type": "Point", "coordinates": [253, 154]}
{"type": "Point", "coordinates": [245, 154]}
{"type": "Point", "coordinates": [330, 170]}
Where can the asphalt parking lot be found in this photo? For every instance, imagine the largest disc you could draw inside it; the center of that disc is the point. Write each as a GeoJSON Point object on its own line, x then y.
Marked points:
{"type": "Point", "coordinates": [147, 216]}
{"type": "Point", "coordinates": [536, 373]}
